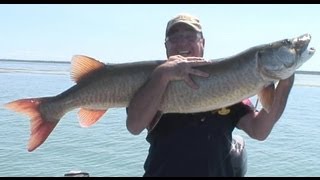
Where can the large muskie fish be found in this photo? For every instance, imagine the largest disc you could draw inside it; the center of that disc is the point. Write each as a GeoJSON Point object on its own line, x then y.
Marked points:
{"type": "Point", "coordinates": [101, 86]}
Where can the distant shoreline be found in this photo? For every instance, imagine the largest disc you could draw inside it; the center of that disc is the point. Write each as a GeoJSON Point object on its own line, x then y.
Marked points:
{"type": "Point", "coordinates": [308, 72]}
{"type": "Point", "coordinates": [36, 61]}
{"type": "Point", "coordinates": [69, 62]}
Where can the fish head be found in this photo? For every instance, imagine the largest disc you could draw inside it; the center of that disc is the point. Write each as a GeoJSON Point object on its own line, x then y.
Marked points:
{"type": "Point", "coordinates": [280, 59]}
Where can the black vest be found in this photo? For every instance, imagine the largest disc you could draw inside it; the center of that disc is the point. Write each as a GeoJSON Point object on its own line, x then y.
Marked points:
{"type": "Point", "coordinates": [196, 144]}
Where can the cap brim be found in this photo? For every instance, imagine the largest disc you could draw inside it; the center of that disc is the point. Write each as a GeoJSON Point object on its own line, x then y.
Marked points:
{"type": "Point", "coordinates": [183, 22]}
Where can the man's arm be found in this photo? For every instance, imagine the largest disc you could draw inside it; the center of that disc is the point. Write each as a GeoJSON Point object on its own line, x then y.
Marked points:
{"type": "Point", "coordinates": [146, 102]}
{"type": "Point", "coordinates": [258, 125]}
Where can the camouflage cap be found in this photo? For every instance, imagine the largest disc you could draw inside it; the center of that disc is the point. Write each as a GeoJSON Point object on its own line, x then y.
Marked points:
{"type": "Point", "coordinates": [188, 19]}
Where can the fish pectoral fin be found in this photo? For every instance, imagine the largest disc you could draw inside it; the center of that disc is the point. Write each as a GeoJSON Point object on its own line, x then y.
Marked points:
{"type": "Point", "coordinates": [89, 116]}
{"type": "Point", "coordinates": [266, 96]}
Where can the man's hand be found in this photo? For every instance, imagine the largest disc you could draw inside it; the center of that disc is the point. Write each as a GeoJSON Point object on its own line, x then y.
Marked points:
{"type": "Point", "coordinates": [180, 68]}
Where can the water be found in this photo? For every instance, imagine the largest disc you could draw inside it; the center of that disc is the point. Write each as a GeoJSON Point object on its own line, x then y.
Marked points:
{"type": "Point", "coordinates": [108, 149]}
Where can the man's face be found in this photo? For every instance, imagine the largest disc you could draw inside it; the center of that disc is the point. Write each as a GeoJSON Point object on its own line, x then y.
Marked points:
{"type": "Point", "coordinates": [185, 41]}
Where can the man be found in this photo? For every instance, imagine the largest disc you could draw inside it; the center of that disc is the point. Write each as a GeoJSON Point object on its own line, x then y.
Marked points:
{"type": "Point", "coordinates": [195, 144]}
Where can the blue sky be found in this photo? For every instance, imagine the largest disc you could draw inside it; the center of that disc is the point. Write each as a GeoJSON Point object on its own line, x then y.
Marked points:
{"type": "Point", "coordinates": [126, 33]}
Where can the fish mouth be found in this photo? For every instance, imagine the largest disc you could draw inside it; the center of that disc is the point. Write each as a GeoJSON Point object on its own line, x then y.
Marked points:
{"type": "Point", "coordinates": [301, 43]}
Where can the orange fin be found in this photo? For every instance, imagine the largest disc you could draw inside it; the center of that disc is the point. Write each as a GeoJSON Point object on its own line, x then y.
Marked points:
{"type": "Point", "coordinates": [88, 116]}
{"type": "Point", "coordinates": [40, 128]}
{"type": "Point", "coordinates": [40, 132]}
{"type": "Point", "coordinates": [81, 66]}
{"type": "Point", "coordinates": [266, 97]}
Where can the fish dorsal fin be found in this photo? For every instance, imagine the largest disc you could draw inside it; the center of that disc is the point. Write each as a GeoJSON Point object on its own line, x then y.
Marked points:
{"type": "Point", "coordinates": [81, 66]}
{"type": "Point", "coordinates": [89, 117]}
{"type": "Point", "coordinates": [266, 97]}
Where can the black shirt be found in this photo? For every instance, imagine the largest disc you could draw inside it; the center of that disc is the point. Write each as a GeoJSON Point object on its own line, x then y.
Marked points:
{"type": "Point", "coordinates": [196, 144]}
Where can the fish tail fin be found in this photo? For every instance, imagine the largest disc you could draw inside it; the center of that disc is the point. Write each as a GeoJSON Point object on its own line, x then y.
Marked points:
{"type": "Point", "coordinates": [40, 127]}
